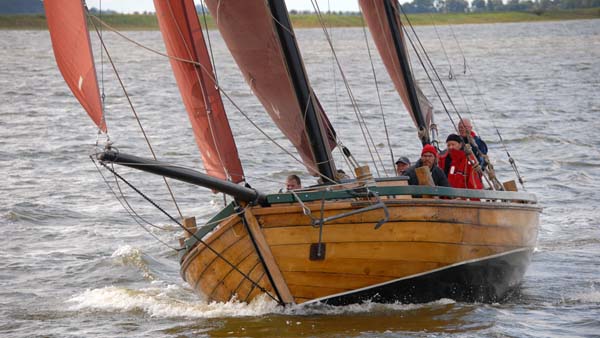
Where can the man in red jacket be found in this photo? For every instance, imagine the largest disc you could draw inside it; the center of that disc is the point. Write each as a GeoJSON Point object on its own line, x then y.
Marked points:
{"type": "Point", "coordinates": [457, 167]}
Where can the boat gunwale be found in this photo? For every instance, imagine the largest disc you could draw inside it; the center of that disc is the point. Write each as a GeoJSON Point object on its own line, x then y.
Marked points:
{"type": "Point", "coordinates": [319, 193]}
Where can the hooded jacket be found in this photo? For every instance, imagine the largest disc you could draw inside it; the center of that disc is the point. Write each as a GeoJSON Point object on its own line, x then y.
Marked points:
{"type": "Point", "coordinates": [459, 170]}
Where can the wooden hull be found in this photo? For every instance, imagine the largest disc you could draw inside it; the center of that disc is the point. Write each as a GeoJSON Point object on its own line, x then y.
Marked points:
{"type": "Point", "coordinates": [428, 249]}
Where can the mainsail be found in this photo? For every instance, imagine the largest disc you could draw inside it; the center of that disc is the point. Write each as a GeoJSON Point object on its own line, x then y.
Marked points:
{"type": "Point", "coordinates": [272, 66]}
{"type": "Point", "coordinates": [73, 51]}
{"type": "Point", "coordinates": [182, 34]}
{"type": "Point", "coordinates": [382, 17]}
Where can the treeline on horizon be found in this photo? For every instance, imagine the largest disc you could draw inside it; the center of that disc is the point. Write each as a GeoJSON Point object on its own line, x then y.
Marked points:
{"type": "Point", "coordinates": [416, 6]}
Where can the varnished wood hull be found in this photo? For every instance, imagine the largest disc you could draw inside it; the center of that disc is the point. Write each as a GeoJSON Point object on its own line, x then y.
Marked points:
{"type": "Point", "coordinates": [428, 249]}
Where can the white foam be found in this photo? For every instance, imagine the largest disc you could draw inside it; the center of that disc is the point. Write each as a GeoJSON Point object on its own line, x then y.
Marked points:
{"type": "Point", "coordinates": [164, 302]}
{"type": "Point", "coordinates": [360, 308]}
{"type": "Point", "coordinates": [588, 297]}
{"type": "Point", "coordinates": [128, 255]}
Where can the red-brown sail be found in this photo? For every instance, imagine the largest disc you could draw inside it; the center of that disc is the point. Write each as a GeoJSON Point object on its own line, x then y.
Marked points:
{"type": "Point", "coordinates": [182, 34]}
{"type": "Point", "coordinates": [375, 15]}
{"type": "Point", "coordinates": [249, 31]}
{"type": "Point", "coordinates": [73, 52]}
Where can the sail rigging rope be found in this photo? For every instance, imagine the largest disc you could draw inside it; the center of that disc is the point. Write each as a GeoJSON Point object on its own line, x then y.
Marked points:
{"type": "Point", "coordinates": [359, 116]}
{"type": "Point", "coordinates": [212, 57]}
{"type": "Point", "coordinates": [207, 104]}
{"type": "Point", "coordinates": [132, 213]}
{"type": "Point", "coordinates": [223, 91]}
{"type": "Point", "coordinates": [133, 110]}
{"type": "Point", "coordinates": [489, 170]}
{"type": "Point", "coordinates": [450, 70]}
{"type": "Point", "coordinates": [191, 233]}
{"type": "Point", "coordinates": [387, 134]}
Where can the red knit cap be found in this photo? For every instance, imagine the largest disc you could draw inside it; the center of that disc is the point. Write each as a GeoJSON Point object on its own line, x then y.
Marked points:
{"type": "Point", "coordinates": [428, 148]}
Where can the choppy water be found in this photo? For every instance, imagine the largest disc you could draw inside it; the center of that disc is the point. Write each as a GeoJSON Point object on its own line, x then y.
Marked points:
{"type": "Point", "coordinates": [73, 263]}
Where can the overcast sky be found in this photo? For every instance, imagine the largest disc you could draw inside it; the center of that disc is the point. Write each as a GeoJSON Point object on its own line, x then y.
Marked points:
{"type": "Point", "coordinates": [129, 6]}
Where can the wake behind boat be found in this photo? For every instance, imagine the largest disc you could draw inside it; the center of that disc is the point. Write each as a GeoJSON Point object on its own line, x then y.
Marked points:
{"type": "Point", "coordinates": [344, 240]}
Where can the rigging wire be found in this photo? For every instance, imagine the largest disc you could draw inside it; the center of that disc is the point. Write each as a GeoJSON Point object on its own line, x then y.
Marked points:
{"type": "Point", "coordinates": [205, 99]}
{"type": "Point", "coordinates": [191, 233]}
{"type": "Point", "coordinates": [335, 95]}
{"type": "Point", "coordinates": [223, 92]}
{"type": "Point", "coordinates": [361, 121]}
{"type": "Point", "coordinates": [132, 212]}
{"type": "Point", "coordinates": [450, 70]}
{"type": "Point", "coordinates": [133, 110]}
{"type": "Point", "coordinates": [212, 57]}
{"type": "Point", "coordinates": [387, 135]}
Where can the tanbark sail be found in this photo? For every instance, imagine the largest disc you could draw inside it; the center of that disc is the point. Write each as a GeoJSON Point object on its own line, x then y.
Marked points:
{"type": "Point", "coordinates": [73, 52]}
{"type": "Point", "coordinates": [184, 40]}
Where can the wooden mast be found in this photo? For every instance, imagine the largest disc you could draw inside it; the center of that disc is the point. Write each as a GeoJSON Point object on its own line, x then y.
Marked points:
{"type": "Point", "coordinates": [312, 119]}
{"type": "Point", "coordinates": [393, 18]}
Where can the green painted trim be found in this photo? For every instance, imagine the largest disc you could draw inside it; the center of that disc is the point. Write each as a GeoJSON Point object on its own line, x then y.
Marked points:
{"type": "Point", "coordinates": [191, 242]}
{"type": "Point", "coordinates": [229, 210]}
{"type": "Point", "coordinates": [406, 190]}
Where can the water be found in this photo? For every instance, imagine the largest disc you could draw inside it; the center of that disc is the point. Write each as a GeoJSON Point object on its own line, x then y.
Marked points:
{"type": "Point", "coordinates": [73, 263]}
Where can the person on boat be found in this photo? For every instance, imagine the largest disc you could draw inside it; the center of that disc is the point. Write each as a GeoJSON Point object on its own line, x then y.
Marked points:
{"type": "Point", "coordinates": [341, 175]}
{"type": "Point", "coordinates": [465, 128]}
{"type": "Point", "coordinates": [293, 182]}
{"type": "Point", "coordinates": [428, 158]}
{"type": "Point", "coordinates": [401, 165]}
{"type": "Point", "coordinates": [457, 167]}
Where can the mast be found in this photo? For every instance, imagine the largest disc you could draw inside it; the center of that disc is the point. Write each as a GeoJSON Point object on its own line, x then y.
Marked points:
{"type": "Point", "coordinates": [261, 40]}
{"type": "Point", "coordinates": [313, 123]}
{"type": "Point", "coordinates": [392, 16]}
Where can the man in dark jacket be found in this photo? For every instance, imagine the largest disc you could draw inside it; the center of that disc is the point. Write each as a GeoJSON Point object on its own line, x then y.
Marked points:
{"type": "Point", "coordinates": [428, 158]}
{"type": "Point", "coordinates": [465, 128]}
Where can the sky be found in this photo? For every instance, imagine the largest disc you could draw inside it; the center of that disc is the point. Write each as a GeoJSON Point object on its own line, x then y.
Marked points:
{"type": "Point", "coordinates": [130, 6]}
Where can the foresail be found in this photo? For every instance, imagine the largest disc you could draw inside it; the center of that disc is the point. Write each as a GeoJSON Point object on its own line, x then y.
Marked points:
{"type": "Point", "coordinates": [184, 40]}
{"type": "Point", "coordinates": [249, 31]}
{"type": "Point", "coordinates": [374, 12]}
{"type": "Point", "coordinates": [73, 52]}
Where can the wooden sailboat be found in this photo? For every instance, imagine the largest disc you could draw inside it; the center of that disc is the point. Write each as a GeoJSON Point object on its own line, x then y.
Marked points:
{"type": "Point", "coordinates": [340, 242]}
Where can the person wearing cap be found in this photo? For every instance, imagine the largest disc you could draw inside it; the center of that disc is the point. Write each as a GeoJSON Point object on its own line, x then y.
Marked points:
{"type": "Point", "coordinates": [401, 165]}
{"type": "Point", "coordinates": [457, 167]}
{"type": "Point", "coordinates": [428, 158]}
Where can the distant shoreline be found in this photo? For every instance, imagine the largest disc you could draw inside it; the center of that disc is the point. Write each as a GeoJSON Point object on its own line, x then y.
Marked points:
{"type": "Point", "coordinates": [148, 22]}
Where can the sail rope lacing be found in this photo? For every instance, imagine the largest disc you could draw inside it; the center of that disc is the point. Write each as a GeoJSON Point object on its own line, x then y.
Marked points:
{"type": "Point", "coordinates": [133, 110]}
{"type": "Point", "coordinates": [192, 234]}
{"type": "Point", "coordinates": [359, 116]}
{"type": "Point", "coordinates": [385, 127]}
{"type": "Point", "coordinates": [223, 92]}
{"type": "Point", "coordinates": [205, 99]}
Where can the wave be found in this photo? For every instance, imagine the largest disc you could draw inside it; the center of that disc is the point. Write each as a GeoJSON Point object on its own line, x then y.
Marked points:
{"type": "Point", "coordinates": [166, 302]}
{"type": "Point", "coordinates": [169, 300]}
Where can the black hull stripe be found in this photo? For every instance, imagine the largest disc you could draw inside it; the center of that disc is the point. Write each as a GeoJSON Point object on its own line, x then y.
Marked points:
{"type": "Point", "coordinates": [486, 279]}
